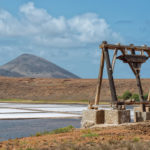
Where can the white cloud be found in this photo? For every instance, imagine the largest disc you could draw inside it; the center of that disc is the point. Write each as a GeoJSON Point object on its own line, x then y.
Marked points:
{"type": "Point", "coordinates": [40, 28]}
{"type": "Point", "coordinates": [65, 41]}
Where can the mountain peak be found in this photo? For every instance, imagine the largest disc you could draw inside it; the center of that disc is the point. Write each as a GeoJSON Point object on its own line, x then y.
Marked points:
{"type": "Point", "coordinates": [29, 65]}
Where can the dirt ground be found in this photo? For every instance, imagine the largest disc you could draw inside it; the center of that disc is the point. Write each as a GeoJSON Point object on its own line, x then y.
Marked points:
{"type": "Point", "coordinates": [63, 89]}
{"type": "Point", "coordinates": [121, 137]}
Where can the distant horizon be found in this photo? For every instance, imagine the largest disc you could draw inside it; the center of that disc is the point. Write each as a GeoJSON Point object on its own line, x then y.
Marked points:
{"type": "Point", "coordinates": [105, 71]}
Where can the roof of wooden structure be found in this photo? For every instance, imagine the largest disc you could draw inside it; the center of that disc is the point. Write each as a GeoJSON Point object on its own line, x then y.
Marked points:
{"type": "Point", "coordinates": [125, 47]}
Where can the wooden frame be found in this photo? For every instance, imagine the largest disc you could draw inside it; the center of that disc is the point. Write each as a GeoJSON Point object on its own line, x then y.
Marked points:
{"type": "Point", "coordinates": [110, 68]}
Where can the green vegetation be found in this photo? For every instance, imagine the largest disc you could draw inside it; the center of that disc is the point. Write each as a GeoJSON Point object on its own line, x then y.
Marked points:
{"type": "Point", "coordinates": [56, 131]}
{"type": "Point", "coordinates": [136, 139]}
{"type": "Point", "coordinates": [119, 97]}
{"type": "Point", "coordinates": [62, 130]}
{"type": "Point", "coordinates": [90, 135]}
{"type": "Point", "coordinates": [126, 95]}
{"type": "Point", "coordinates": [135, 97]}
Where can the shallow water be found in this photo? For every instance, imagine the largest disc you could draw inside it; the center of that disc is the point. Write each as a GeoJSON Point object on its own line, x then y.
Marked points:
{"type": "Point", "coordinates": [11, 129]}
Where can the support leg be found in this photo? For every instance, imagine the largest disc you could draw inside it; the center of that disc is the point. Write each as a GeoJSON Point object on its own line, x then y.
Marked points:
{"type": "Point", "coordinates": [148, 99]}
{"type": "Point", "coordinates": [114, 59]}
{"type": "Point", "coordinates": [110, 76]}
{"type": "Point", "coordinates": [98, 89]}
{"type": "Point", "coordinates": [140, 91]}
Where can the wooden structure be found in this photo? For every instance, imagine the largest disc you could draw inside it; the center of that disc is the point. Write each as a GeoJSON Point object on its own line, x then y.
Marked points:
{"type": "Point", "coordinates": [128, 56]}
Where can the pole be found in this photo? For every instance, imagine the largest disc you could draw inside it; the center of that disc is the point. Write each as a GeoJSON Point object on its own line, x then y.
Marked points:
{"type": "Point", "coordinates": [140, 91]}
{"type": "Point", "coordinates": [138, 80]}
{"type": "Point", "coordinates": [100, 76]}
{"type": "Point", "coordinates": [110, 76]}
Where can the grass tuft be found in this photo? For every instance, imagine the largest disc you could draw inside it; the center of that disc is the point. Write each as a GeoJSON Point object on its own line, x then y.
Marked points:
{"type": "Point", "coordinates": [136, 139]}
{"type": "Point", "coordinates": [62, 130]}
{"type": "Point", "coordinates": [56, 131]}
{"type": "Point", "coordinates": [90, 135]}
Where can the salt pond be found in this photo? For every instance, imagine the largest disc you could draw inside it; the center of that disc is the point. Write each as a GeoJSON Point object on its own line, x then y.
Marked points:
{"type": "Point", "coordinates": [21, 120]}
{"type": "Point", "coordinates": [27, 111]}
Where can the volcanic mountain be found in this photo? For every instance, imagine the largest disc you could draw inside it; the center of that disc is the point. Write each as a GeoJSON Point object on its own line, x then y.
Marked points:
{"type": "Point", "coordinates": [28, 65]}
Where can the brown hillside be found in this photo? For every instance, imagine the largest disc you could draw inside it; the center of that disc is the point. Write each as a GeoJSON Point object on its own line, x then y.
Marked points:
{"type": "Point", "coordinates": [62, 89]}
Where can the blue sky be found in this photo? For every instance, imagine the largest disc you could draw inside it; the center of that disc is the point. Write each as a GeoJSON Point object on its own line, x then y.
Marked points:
{"type": "Point", "coordinates": [68, 32]}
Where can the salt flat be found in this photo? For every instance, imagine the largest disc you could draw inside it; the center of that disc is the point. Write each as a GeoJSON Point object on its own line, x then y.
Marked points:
{"type": "Point", "coordinates": [28, 111]}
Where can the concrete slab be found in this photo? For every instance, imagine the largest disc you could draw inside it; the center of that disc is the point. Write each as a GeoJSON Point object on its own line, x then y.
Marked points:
{"type": "Point", "coordinates": [141, 116]}
{"type": "Point", "coordinates": [117, 116]}
{"type": "Point", "coordinates": [91, 117]}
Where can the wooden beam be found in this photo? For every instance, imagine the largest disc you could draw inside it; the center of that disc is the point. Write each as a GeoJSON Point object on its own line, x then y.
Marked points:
{"type": "Point", "coordinates": [110, 76]}
{"type": "Point", "coordinates": [139, 85]}
{"type": "Point", "coordinates": [114, 59]}
{"type": "Point", "coordinates": [100, 76]}
{"type": "Point", "coordinates": [148, 99]}
{"type": "Point", "coordinates": [133, 103]}
{"type": "Point", "coordinates": [122, 47]}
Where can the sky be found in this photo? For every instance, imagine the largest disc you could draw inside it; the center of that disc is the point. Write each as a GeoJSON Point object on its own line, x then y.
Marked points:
{"type": "Point", "coordinates": [69, 32]}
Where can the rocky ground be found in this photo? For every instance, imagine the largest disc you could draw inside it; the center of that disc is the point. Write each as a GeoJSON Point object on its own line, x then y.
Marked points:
{"type": "Point", "coordinates": [125, 137]}
{"type": "Point", "coordinates": [63, 89]}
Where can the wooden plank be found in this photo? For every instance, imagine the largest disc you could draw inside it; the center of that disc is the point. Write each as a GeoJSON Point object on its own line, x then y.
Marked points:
{"type": "Point", "coordinates": [133, 103]}
{"type": "Point", "coordinates": [114, 59]}
{"type": "Point", "coordinates": [110, 76]}
{"type": "Point", "coordinates": [100, 76]}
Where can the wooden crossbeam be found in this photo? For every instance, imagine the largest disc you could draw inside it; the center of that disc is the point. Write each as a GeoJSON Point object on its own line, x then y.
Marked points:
{"type": "Point", "coordinates": [127, 47]}
{"type": "Point", "coordinates": [133, 103]}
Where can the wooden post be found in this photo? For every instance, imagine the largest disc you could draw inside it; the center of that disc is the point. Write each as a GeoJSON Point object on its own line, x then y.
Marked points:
{"type": "Point", "coordinates": [148, 99]}
{"type": "Point", "coordinates": [139, 83]}
{"type": "Point", "coordinates": [114, 59]}
{"type": "Point", "coordinates": [140, 91]}
{"type": "Point", "coordinates": [110, 76]}
{"type": "Point", "coordinates": [100, 76]}
{"type": "Point", "coordinates": [140, 87]}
